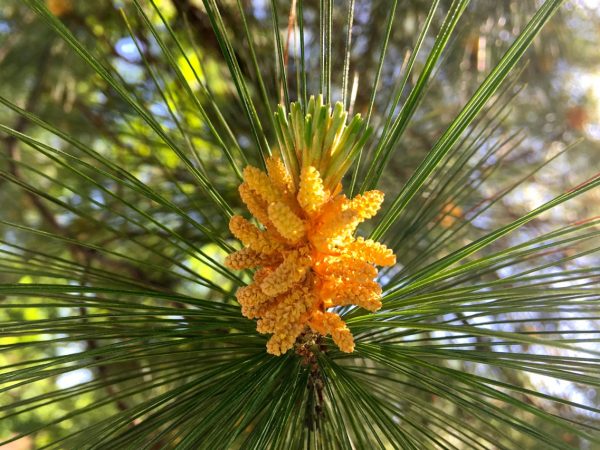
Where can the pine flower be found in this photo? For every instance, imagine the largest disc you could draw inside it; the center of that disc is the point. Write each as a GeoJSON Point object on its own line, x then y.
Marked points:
{"type": "Point", "coordinates": [247, 258]}
{"type": "Point", "coordinates": [330, 323]}
{"type": "Point", "coordinates": [347, 292]}
{"type": "Point", "coordinates": [251, 236]}
{"type": "Point", "coordinates": [308, 256]}
{"type": "Point", "coordinates": [312, 194]}
{"type": "Point", "coordinates": [371, 251]}
{"type": "Point", "coordinates": [367, 205]}
{"type": "Point", "coordinates": [345, 268]}
{"type": "Point", "coordinates": [260, 183]}
{"type": "Point", "coordinates": [256, 206]}
{"type": "Point", "coordinates": [279, 175]}
{"type": "Point", "coordinates": [288, 224]}
{"type": "Point", "coordinates": [289, 272]}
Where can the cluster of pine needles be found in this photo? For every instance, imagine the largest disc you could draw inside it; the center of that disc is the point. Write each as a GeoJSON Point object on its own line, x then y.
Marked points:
{"type": "Point", "coordinates": [125, 266]}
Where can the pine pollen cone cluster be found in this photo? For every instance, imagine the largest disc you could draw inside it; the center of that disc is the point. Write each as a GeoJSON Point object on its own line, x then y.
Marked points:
{"type": "Point", "coordinates": [306, 256]}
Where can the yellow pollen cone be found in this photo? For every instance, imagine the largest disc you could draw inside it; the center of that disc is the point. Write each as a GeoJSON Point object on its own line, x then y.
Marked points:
{"type": "Point", "coordinates": [308, 256]}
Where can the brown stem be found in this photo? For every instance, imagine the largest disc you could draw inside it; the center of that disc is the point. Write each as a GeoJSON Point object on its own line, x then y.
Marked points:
{"type": "Point", "coordinates": [308, 346]}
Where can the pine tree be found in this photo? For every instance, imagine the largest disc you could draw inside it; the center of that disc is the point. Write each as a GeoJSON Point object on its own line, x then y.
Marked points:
{"type": "Point", "coordinates": [294, 224]}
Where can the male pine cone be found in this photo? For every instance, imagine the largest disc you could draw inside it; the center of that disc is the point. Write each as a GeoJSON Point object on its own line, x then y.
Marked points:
{"type": "Point", "coordinates": [307, 258]}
